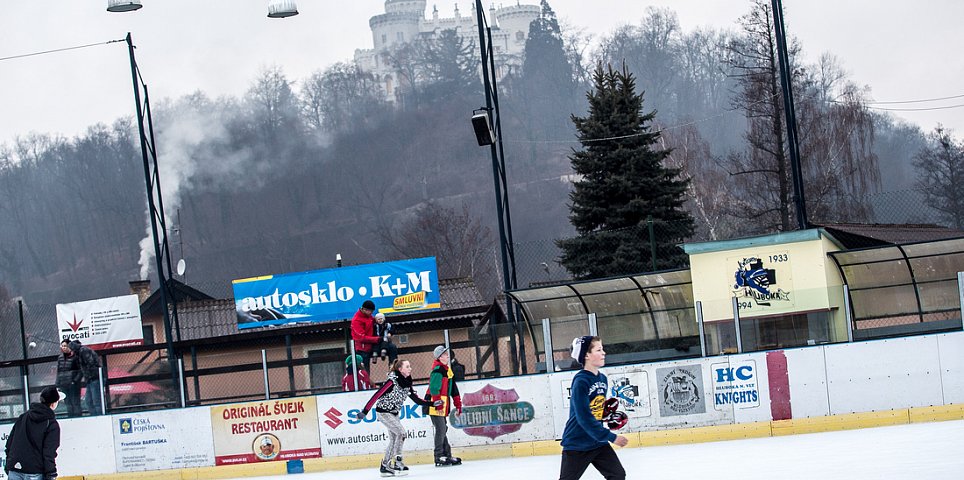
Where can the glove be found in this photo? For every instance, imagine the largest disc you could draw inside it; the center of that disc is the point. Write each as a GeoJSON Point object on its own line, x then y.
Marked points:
{"type": "Point", "coordinates": [360, 415]}
{"type": "Point", "coordinates": [617, 421]}
{"type": "Point", "coordinates": [50, 476]}
{"type": "Point", "coordinates": [457, 401]}
{"type": "Point", "coordinates": [438, 404]}
{"type": "Point", "coordinates": [613, 418]}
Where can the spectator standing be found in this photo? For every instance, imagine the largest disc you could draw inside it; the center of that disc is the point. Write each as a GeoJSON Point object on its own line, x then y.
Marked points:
{"type": "Point", "coordinates": [348, 381]}
{"type": "Point", "coordinates": [444, 394]}
{"type": "Point", "coordinates": [90, 366]}
{"type": "Point", "coordinates": [31, 448]}
{"type": "Point", "coordinates": [362, 332]}
{"type": "Point", "coordinates": [69, 378]}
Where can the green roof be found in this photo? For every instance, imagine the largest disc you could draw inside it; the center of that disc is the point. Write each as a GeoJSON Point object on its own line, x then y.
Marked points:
{"type": "Point", "coordinates": [772, 239]}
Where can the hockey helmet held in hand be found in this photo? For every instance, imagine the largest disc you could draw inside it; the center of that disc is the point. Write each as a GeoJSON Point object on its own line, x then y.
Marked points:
{"type": "Point", "coordinates": [610, 406]}
{"type": "Point", "coordinates": [617, 420]}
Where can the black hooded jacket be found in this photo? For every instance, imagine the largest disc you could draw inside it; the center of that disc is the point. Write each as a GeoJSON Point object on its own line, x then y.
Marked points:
{"type": "Point", "coordinates": [33, 442]}
{"type": "Point", "coordinates": [89, 361]}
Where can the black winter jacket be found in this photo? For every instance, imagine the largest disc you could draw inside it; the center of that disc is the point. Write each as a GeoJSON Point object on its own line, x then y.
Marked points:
{"type": "Point", "coordinates": [68, 370]}
{"type": "Point", "coordinates": [33, 442]}
{"type": "Point", "coordinates": [89, 361]}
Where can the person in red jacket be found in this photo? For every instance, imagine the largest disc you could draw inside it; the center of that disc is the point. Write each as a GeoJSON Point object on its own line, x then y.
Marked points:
{"type": "Point", "coordinates": [363, 333]}
{"type": "Point", "coordinates": [445, 397]}
{"type": "Point", "coordinates": [348, 381]}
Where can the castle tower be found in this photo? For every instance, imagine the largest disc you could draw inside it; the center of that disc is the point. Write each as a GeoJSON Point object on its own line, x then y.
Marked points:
{"type": "Point", "coordinates": [404, 21]}
{"type": "Point", "coordinates": [399, 24]}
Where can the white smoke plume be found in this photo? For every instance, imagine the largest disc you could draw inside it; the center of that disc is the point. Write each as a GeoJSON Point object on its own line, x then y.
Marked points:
{"type": "Point", "coordinates": [183, 129]}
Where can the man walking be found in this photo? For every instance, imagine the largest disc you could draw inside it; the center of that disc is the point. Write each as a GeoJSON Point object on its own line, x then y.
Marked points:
{"type": "Point", "coordinates": [31, 448]}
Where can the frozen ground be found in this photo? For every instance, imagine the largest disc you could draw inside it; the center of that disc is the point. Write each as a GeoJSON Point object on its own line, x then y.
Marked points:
{"type": "Point", "coordinates": [912, 452]}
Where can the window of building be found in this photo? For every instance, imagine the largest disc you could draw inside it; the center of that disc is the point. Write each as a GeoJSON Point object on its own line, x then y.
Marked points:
{"type": "Point", "coordinates": [400, 36]}
{"type": "Point", "coordinates": [520, 36]}
{"type": "Point", "coordinates": [384, 39]}
{"type": "Point", "coordinates": [326, 369]}
{"type": "Point", "coordinates": [148, 332]}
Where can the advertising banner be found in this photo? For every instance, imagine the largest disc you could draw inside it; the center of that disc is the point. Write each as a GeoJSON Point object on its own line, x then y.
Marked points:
{"type": "Point", "coordinates": [500, 411]}
{"type": "Point", "coordinates": [265, 431]}
{"type": "Point", "coordinates": [86, 446]}
{"type": "Point", "coordinates": [4, 435]}
{"type": "Point", "coordinates": [629, 384]}
{"type": "Point", "coordinates": [680, 390]}
{"type": "Point", "coordinates": [163, 440]}
{"type": "Point", "coordinates": [101, 324]}
{"type": "Point", "coordinates": [735, 384]}
{"type": "Point", "coordinates": [336, 293]}
{"type": "Point", "coordinates": [342, 433]}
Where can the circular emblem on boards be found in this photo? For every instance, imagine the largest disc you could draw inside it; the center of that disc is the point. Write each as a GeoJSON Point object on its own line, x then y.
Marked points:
{"type": "Point", "coordinates": [266, 446]}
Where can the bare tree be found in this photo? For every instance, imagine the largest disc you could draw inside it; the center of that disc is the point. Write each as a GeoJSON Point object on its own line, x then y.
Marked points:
{"type": "Point", "coordinates": [941, 169]}
{"type": "Point", "coordinates": [456, 237]}
{"type": "Point", "coordinates": [341, 98]}
{"type": "Point", "coordinates": [838, 162]}
{"type": "Point", "coordinates": [837, 136]}
{"type": "Point", "coordinates": [762, 171]}
{"type": "Point", "coordinates": [273, 104]}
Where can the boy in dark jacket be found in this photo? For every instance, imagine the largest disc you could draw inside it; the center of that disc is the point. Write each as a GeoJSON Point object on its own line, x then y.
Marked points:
{"type": "Point", "coordinates": [585, 440]}
{"type": "Point", "coordinates": [31, 448]}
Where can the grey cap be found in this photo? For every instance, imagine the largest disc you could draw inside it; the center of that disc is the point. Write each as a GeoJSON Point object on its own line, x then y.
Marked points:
{"type": "Point", "coordinates": [439, 350]}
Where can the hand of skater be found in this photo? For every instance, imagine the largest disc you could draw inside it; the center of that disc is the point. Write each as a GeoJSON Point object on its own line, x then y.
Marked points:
{"type": "Point", "coordinates": [621, 441]}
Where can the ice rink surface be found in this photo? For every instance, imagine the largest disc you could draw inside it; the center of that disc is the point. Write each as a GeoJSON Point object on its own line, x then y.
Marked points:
{"type": "Point", "coordinates": [912, 452]}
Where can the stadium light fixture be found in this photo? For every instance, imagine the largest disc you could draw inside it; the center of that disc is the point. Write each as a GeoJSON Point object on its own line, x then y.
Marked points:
{"type": "Point", "coordinates": [123, 5]}
{"type": "Point", "coordinates": [282, 8]}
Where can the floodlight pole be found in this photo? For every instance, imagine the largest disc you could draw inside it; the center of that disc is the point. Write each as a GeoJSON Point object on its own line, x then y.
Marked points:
{"type": "Point", "coordinates": [497, 152]}
{"type": "Point", "coordinates": [155, 213]}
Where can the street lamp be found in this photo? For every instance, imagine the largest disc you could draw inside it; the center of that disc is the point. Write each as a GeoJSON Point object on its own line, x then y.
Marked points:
{"type": "Point", "coordinates": [123, 5]}
{"type": "Point", "coordinates": [282, 8]}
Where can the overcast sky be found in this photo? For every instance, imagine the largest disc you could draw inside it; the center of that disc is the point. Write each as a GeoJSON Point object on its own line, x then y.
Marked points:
{"type": "Point", "coordinates": [902, 50]}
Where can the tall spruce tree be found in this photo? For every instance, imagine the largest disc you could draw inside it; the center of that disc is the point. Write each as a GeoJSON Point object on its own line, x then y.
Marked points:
{"type": "Point", "coordinates": [623, 182]}
{"type": "Point", "coordinates": [546, 91]}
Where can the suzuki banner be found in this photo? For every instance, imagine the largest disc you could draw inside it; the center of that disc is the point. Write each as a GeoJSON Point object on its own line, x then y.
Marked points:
{"type": "Point", "coordinates": [336, 293]}
{"type": "Point", "coordinates": [104, 323]}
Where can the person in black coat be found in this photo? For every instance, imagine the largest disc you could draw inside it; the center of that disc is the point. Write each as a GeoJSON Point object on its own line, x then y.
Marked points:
{"type": "Point", "coordinates": [90, 366]}
{"type": "Point", "coordinates": [69, 378]}
{"type": "Point", "coordinates": [31, 448]}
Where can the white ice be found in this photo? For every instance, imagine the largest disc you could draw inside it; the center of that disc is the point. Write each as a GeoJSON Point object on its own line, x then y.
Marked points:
{"type": "Point", "coordinates": [913, 452]}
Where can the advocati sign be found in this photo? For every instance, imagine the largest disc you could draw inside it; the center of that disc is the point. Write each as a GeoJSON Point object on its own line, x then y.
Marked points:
{"type": "Point", "coordinates": [104, 323]}
{"type": "Point", "coordinates": [336, 293]}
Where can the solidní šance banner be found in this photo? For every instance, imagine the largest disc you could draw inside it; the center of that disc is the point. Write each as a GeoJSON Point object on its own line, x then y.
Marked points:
{"type": "Point", "coordinates": [336, 293]}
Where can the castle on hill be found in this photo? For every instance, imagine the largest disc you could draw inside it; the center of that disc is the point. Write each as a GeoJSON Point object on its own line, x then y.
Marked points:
{"type": "Point", "coordinates": [404, 21]}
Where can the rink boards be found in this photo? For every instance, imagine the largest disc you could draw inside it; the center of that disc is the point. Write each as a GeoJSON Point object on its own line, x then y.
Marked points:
{"type": "Point", "coordinates": [737, 396]}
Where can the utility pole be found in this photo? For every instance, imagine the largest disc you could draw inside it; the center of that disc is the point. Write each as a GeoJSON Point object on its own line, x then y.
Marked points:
{"type": "Point", "coordinates": [793, 141]}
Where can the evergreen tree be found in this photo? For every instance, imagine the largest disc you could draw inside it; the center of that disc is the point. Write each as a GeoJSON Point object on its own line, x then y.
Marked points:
{"type": "Point", "coordinates": [623, 182]}
{"type": "Point", "coordinates": [546, 90]}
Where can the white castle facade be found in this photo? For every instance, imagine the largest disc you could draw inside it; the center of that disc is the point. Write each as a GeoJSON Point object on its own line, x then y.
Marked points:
{"type": "Point", "coordinates": [404, 21]}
